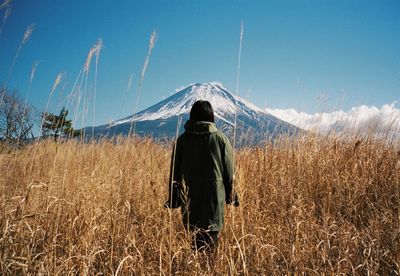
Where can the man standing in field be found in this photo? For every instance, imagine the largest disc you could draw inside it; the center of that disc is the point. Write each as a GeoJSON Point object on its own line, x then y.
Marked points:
{"type": "Point", "coordinates": [201, 179]}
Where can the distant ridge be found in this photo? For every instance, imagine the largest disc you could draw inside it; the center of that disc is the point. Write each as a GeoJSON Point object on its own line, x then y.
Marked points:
{"type": "Point", "coordinates": [254, 125]}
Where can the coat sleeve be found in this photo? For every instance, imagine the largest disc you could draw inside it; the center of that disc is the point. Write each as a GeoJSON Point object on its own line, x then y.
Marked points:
{"type": "Point", "coordinates": [175, 177]}
{"type": "Point", "coordinates": [227, 159]}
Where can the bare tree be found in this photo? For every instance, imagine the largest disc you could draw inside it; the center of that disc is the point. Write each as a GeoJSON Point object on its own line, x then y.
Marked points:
{"type": "Point", "coordinates": [16, 118]}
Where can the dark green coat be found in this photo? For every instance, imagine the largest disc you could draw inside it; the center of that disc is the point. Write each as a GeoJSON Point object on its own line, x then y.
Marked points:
{"type": "Point", "coordinates": [202, 166]}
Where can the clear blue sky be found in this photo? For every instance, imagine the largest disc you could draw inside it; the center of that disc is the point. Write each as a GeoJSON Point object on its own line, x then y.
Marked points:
{"type": "Point", "coordinates": [293, 51]}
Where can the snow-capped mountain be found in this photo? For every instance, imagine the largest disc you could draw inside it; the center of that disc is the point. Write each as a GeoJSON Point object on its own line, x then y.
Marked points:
{"type": "Point", "coordinates": [164, 118]}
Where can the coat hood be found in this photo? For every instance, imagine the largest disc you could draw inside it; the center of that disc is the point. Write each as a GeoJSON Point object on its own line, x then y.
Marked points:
{"type": "Point", "coordinates": [200, 127]}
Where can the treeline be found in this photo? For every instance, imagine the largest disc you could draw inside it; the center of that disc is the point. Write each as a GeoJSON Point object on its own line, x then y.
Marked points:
{"type": "Point", "coordinates": [19, 121]}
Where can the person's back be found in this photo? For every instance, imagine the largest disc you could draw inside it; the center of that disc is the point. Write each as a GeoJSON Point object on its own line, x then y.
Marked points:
{"type": "Point", "coordinates": [203, 167]}
{"type": "Point", "coordinates": [203, 150]}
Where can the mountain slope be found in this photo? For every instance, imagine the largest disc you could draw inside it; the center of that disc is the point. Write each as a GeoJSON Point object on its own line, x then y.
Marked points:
{"type": "Point", "coordinates": [163, 119]}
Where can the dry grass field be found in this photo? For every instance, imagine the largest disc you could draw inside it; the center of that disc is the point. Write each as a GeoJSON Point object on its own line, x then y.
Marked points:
{"type": "Point", "coordinates": [309, 206]}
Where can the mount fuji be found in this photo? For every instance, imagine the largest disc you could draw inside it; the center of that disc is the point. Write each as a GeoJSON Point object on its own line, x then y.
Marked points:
{"type": "Point", "coordinates": [166, 118]}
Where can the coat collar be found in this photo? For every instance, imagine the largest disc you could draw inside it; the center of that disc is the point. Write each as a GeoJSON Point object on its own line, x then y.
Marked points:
{"type": "Point", "coordinates": [200, 127]}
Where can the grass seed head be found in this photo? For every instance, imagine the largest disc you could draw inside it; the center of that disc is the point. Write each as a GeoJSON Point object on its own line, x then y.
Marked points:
{"type": "Point", "coordinates": [28, 33]}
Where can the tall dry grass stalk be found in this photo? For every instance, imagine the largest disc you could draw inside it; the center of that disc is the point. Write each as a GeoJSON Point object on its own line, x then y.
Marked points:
{"type": "Point", "coordinates": [237, 94]}
{"type": "Point", "coordinates": [124, 98]}
{"type": "Point", "coordinates": [98, 47]}
{"type": "Point", "coordinates": [27, 35]}
{"type": "Point", "coordinates": [75, 96]}
{"type": "Point", "coordinates": [5, 4]}
{"type": "Point", "coordinates": [79, 96]}
{"type": "Point", "coordinates": [32, 76]}
{"type": "Point", "coordinates": [312, 206]}
{"type": "Point", "coordinates": [33, 72]}
{"type": "Point", "coordinates": [5, 17]}
{"type": "Point", "coordinates": [57, 81]}
{"type": "Point", "coordinates": [171, 182]}
{"type": "Point", "coordinates": [152, 43]}
{"type": "Point", "coordinates": [60, 76]}
{"type": "Point", "coordinates": [130, 81]}
{"type": "Point", "coordinates": [94, 51]}
{"type": "Point", "coordinates": [238, 78]}
{"type": "Point", "coordinates": [71, 95]}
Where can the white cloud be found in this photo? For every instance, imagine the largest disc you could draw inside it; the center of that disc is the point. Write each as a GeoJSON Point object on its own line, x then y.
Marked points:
{"type": "Point", "coordinates": [358, 119]}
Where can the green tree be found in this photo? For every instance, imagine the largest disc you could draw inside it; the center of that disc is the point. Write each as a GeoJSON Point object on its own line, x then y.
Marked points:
{"type": "Point", "coordinates": [58, 125]}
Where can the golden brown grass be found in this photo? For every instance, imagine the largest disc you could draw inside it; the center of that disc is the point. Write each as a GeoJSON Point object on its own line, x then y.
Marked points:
{"type": "Point", "coordinates": [312, 205]}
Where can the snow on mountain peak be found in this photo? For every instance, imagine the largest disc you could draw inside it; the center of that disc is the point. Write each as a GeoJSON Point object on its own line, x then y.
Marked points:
{"type": "Point", "coordinates": [225, 104]}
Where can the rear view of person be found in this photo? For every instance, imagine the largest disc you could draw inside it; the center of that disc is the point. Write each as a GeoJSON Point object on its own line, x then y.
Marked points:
{"type": "Point", "coordinates": [201, 180]}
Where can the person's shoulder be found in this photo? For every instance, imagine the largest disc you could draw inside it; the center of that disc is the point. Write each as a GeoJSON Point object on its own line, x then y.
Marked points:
{"type": "Point", "coordinates": [181, 137]}
{"type": "Point", "coordinates": [221, 137]}
{"type": "Point", "coordinates": [220, 134]}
